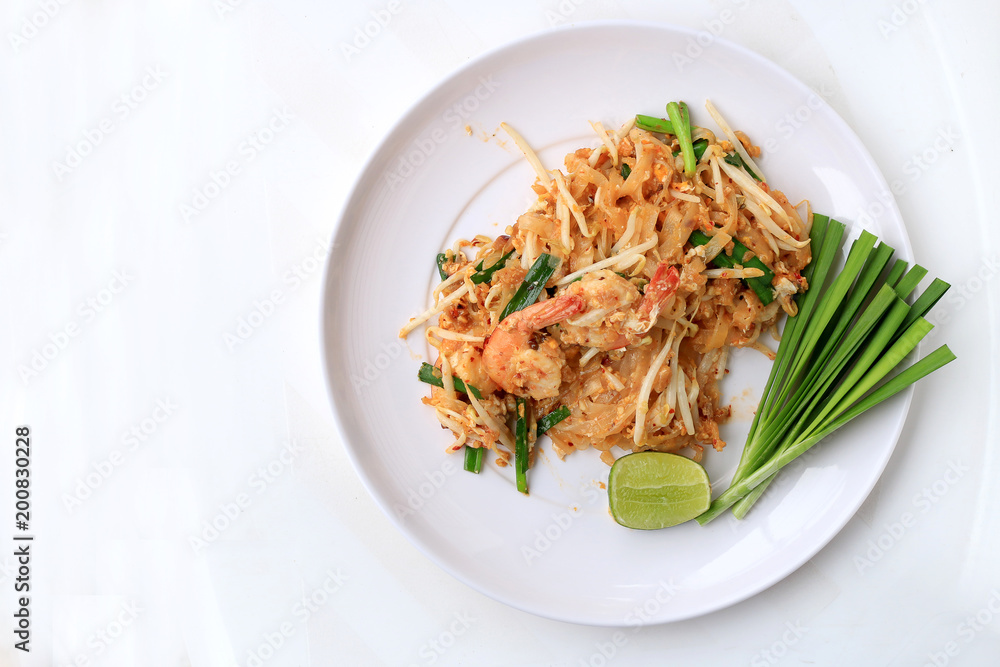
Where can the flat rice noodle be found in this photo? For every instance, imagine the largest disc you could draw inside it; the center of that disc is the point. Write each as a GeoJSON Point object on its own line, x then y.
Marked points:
{"type": "Point", "coordinates": [632, 187]}
{"type": "Point", "coordinates": [610, 216]}
{"type": "Point", "coordinates": [679, 222]}
{"type": "Point", "coordinates": [600, 419]}
{"type": "Point", "coordinates": [539, 224]}
{"type": "Point", "coordinates": [748, 307]}
{"type": "Point", "coordinates": [754, 239]}
{"type": "Point", "coordinates": [587, 175]}
{"type": "Point", "coordinates": [581, 257]}
{"type": "Point", "coordinates": [713, 335]}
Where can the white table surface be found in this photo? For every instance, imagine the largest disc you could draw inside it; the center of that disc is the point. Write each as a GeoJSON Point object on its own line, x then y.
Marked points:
{"type": "Point", "coordinates": [172, 174]}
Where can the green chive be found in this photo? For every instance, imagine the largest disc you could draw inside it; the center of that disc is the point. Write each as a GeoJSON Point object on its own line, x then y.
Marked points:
{"type": "Point", "coordinates": [474, 458]}
{"type": "Point", "coordinates": [521, 446]}
{"type": "Point", "coordinates": [735, 160]}
{"type": "Point", "coordinates": [534, 283]}
{"type": "Point", "coordinates": [432, 375]}
{"type": "Point", "coordinates": [682, 130]}
{"type": "Point", "coordinates": [654, 124]}
{"type": "Point", "coordinates": [486, 275]}
{"type": "Point", "coordinates": [441, 259]}
{"type": "Point", "coordinates": [551, 419]}
{"type": "Point", "coordinates": [744, 257]}
{"type": "Point", "coordinates": [847, 338]}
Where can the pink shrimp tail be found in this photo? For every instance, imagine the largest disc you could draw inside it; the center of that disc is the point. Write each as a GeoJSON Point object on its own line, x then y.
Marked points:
{"type": "Point", "coordinates": [661, 288]}
{"type": "Point", "coordinates": [546, 313]}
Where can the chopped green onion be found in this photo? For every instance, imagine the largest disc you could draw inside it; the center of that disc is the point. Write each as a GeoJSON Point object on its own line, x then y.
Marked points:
{"type": "Point", "coordinates": [664, 126]}
{"type": "Point", "coordinates": [441, 259]}
{"type": "Point", "coordinates": [682, 130]}
{"type": "Point", "coordinates": [432, 375]}
{"type": "Point", "coordinates": [474, 458]}
{"type": "Point", "coordinates": [626, 170]}
{"type": "Point", "coordinates": [551, 419]}
{"type": "Point", "coordinates": [735, 160]}
{"type": "Point", "coordinates": [486, 275]}
{"type": "Point", "coordinates": [521, 446]}
{"type": "Point", "coordinates": [534, 283]}
{"type": "Point", "coordinates": [699, 149]}
{"type": "Point", "coordinates": [685, 114]}
{"type": "Point", "coordinates": [744, 257]}
{"type": "Point", "coordinates": [653, 124]}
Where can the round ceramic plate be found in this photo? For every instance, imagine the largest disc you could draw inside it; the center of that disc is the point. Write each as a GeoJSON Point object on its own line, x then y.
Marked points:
{"type": "Point", "coordinates": [447, 171]}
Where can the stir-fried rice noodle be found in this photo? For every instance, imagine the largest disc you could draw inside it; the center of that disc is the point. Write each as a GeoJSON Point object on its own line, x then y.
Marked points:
{"type": "Point", "coordinates": [638, 335]}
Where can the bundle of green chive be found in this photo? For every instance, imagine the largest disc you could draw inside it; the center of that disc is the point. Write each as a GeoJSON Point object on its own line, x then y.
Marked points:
{"type": "Point", "coordinates": [846, 339]}
{"type": "Point", "coordinates": [852, 330]}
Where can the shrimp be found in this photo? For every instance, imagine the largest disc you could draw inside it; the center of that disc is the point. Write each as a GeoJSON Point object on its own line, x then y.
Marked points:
{"type": "Point", "coordinates": [465, 361]}
{"type": "Point", "coordinates": [522, 360]}
{"type": "Point", "coordinates": [613, 318]}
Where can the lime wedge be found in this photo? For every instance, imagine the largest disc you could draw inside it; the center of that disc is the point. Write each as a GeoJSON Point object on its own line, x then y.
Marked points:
{"type": "Point", "coordinates": [650, 490]}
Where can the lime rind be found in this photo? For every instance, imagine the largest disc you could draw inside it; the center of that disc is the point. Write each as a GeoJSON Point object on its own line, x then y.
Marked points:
{"type": "Point", "coordinates": [653, 490]}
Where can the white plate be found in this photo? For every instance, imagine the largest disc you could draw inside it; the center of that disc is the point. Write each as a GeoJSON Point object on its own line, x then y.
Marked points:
{"type": "Point", "coordinates": [558, 553]}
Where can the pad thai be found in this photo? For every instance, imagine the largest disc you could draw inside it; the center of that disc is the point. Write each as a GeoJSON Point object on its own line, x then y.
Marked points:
{"type": "Point", "coordinates": [603, 317]}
